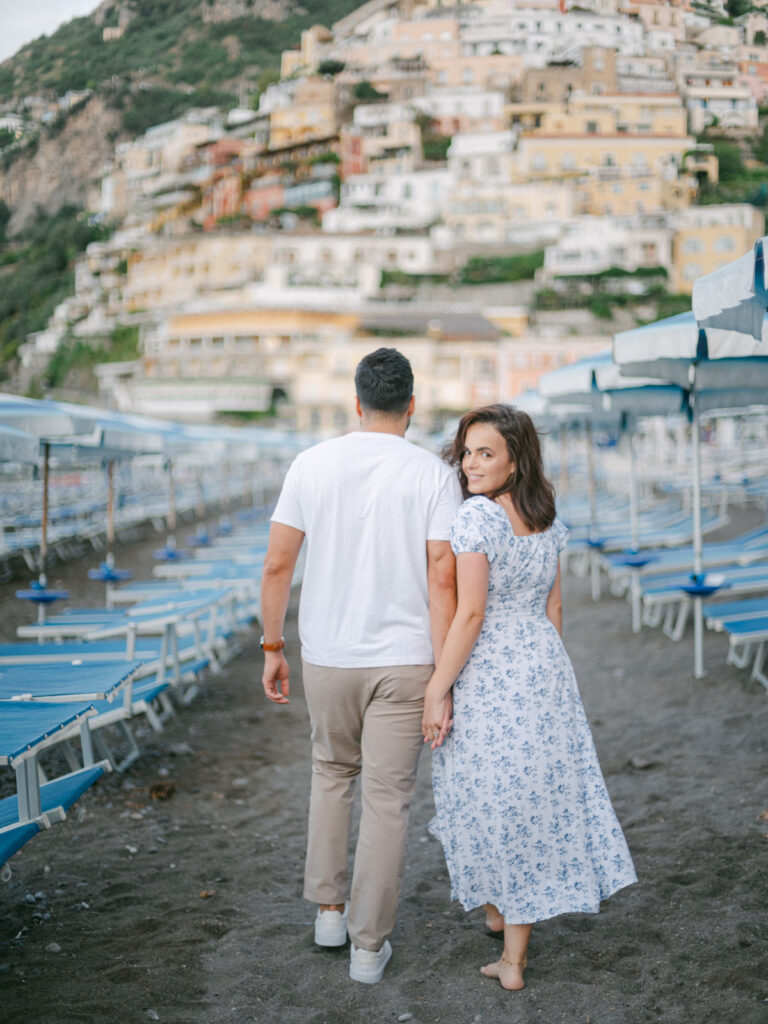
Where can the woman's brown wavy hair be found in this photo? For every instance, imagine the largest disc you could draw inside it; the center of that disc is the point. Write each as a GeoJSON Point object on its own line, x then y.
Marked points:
{"type": "Point", "coordinates": [532, 494]}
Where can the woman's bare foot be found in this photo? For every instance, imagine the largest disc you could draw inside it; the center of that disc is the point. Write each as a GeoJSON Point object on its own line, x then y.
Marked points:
{"type": "Point", "coordinates": [494, 921]}
{"type": "Point", "coordinates": [510, 975]}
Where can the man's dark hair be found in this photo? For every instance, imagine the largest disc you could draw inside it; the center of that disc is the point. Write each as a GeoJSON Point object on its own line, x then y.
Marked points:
{"type": "Point", "coordinates": [384, 382]}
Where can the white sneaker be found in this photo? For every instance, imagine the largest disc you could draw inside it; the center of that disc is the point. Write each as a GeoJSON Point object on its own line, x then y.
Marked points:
{"type": "Point", "coordinates": [331, 927]}
{"type": "Point", "coordinates": [368, 965]}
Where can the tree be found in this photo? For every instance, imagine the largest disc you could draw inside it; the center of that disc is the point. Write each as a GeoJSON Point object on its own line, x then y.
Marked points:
{"type": "Point", "coordinates": [367, 93]}
{"type": "Point", "coordinates": [729, 159]}
{"type": "Point", "coordinates": [330, 67]}
{"type": "Point", "coordinates": [760, 38]}
{"type": "Point", "coordinates": [5, 216]}
{"type": "Point", "coordinates": [736, 8]}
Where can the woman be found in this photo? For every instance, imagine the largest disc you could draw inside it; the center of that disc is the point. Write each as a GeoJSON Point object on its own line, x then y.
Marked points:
{"type": "Point", "coordinates": [521, 807]}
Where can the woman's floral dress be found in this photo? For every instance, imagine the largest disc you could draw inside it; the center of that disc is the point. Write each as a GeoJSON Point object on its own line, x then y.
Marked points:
{"type": "Point", "coordinates": [522, 810]}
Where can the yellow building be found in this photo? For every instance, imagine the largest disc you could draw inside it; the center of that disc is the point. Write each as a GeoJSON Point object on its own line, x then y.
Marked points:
{"type": "Point", "coordinates": [315, 43]}
{"type": "Point", "coordinates": [541, 156]}
{"type": "Point", "coordinates": [306, 359]}
{"type": "Point", "coordinates": [495, 213]}
{"type": "Point", "coordinates": [311, 115]}
{"type": "Point", "coordinates": [167, 273]}
{"type": "Point", "coordinates": [707, 237]}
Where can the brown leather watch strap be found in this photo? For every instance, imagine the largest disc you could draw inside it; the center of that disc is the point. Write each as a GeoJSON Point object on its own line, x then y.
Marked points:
{"type": "Point", "coordinates": [273, 647]}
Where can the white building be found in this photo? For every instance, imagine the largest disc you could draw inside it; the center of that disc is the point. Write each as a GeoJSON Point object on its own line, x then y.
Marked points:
{"type": "Point", "coordinates": [590, 245]}
{"type": "Point", "coordinates": [482, 157]}
{"type": "Point", "coordinates": [729, 106]}
{"type": "Point", "coordinates": [544, 36]}
{"type": "Point", "coordinates": [408, 200]}
{"type": "Point", "coordinates": [483, 109]}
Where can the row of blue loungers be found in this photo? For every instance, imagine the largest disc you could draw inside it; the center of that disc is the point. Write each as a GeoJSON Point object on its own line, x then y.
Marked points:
{"type": "Point", "coordinates": [77, 680]}
{"type": "Point", "coordinates": [657, 580]}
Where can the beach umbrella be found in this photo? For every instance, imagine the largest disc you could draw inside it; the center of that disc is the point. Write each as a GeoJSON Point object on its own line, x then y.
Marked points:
{"type": "Point", "coordinates": [594, 383]}
{"type": "Point", "coordinates": [18, 446]}
{"type": "Point", "coordinates": [734, 297]}
{"type": "Point", "coordinates": [718, 370]}
{"type": "Point", "coordinates": [113, 437]}
{"type": "Point", "coordinates": [47, 421]}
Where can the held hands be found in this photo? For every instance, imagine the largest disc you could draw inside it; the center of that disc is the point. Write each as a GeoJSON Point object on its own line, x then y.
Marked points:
{"type": "Point", "coordinates": [276, 677]}
{"type": "Point", "coordinates": [437, 718]}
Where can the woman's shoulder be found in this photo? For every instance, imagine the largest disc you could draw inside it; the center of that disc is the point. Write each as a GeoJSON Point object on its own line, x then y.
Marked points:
{"type": "Point", "coordinates": [474, 508]}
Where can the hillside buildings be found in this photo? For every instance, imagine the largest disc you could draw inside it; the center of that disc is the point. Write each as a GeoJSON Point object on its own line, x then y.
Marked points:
{"type": "Point", "coordinates": [262, 253]}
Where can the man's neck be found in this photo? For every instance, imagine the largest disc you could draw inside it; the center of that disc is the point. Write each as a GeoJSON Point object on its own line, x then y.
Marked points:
{"type": "Point", "coordinates": [384, 425]}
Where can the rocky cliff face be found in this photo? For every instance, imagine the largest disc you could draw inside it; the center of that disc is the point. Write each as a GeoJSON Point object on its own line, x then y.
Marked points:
{"type": "Point", "coordinates": [65, 166]}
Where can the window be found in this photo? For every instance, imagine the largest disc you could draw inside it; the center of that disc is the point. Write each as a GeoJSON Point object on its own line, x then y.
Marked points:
{"type": "Point", "coordinates": [693, 245]}
{"type": "Point", "coordinates": [539, 162]}
{"type": "Point", "coordinates": [724, 244]}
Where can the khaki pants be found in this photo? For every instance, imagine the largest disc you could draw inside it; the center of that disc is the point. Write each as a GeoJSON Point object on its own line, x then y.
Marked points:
{"type": "Point", "coordinates": [365, 722]}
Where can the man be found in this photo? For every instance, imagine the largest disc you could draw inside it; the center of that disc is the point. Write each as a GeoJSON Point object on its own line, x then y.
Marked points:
{"type": "Point", "coordinates": [377, 598]}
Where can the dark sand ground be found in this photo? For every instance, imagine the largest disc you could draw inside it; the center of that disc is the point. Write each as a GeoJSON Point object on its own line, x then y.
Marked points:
{"type": "Point", "coordinates": [188, 910]}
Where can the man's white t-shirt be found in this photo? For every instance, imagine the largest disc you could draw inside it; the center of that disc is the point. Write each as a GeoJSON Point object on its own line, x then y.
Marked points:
{"type": "Point", "coordinates": [368, 503]}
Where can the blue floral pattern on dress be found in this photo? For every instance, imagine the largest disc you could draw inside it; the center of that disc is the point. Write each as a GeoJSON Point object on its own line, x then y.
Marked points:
{"type": "Point", "coordinates": [522, 809]}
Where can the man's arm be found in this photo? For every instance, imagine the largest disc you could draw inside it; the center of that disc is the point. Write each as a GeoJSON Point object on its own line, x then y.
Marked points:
{"type": "Point", "coordinates": [441, 586]}
{"type": "Point", "coordinates": [280, 561]}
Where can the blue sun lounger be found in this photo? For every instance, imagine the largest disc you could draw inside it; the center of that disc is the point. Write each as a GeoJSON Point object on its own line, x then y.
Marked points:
{"type": "Point", "coordinates": [27, 728]}
{"type": "Point", "coordinates": [107, 686]}
{"type": "Point", "coordinates": [718, 613]}
{"type": "Point", "coordinates": [666, 602]}
{"type": "Point", "coordinates": [744, 637]}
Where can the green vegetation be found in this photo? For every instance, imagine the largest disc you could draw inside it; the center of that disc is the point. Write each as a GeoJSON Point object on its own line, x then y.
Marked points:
{"type": "Point", "coordinates": [364, 92]}
{"type": "Point", "coordinates": [323, 158]}
{"type": "Point", "coordinates": [400, 277]}
{"type": "Point", "coordinates": [729, 158]}
{"type": "Point", "coordinates": [34, 283]}
{"type": "Point", "coordinates": [267, 77]}
{"type": "Point", "coordinates": [603, 303]}
{"type": "Point", "coordinates": [165, 44]}
{"type": "Point", "coordinates": [736, 8]}
{"type": "Point", "coordinates": [496, 269]}
{"type": "Point", "coordinates": [5, 216]}
{"type": "Point", "coordinates": [751, 188]}
{"type": "Point", "coordinates": [434, 145]}
{"type": "Point", "coordinates": [330, 67]}
{"type": "Point", "coordinates": [76, 354]}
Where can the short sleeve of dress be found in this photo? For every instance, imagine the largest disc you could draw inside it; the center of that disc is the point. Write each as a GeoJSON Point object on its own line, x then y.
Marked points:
{"type": "Point", "coordinates": [471, 529]}
{"type": "Point", "coordinates": [560, 531]}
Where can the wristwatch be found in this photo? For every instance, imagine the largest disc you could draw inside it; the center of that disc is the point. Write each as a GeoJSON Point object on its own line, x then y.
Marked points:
{"type": "Point", "coordinates": [272, 647]}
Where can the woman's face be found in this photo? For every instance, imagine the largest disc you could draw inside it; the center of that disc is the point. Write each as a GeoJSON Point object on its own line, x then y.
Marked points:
{"type": "Point", "coordinates": [485, 460]}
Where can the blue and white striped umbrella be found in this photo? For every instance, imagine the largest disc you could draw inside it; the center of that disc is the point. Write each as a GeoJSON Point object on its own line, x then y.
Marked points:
{"type": "Point", "coordinates": [718, 370]}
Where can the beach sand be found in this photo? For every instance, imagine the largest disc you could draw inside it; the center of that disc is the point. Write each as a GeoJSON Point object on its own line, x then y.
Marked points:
{"type": "Point", "coordinates": [188, 909]}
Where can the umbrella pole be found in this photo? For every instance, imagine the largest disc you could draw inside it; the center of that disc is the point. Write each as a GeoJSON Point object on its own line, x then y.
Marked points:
{"type": "Point", "coordinates": [563, 459]}
{"type": "Point", "coordinates": [200, 496]}
{"type": "Point", "coordinates": [171, 508]}
{"type": "Point", "coordinates": [698, 610]}
{"type": "Point", "coordinates": [110, 557]}
{"type": "Point", "coordinates": [594, 565]}
{"type": "Point", "coordinates": [44, 523]}
{"type": "Point", "coordinates": [635, 532]}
